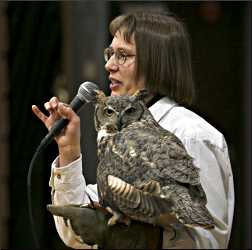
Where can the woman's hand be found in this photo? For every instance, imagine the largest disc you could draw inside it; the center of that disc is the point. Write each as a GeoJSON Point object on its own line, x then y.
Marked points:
{"type": "Point", "coordinates": [69, 139]}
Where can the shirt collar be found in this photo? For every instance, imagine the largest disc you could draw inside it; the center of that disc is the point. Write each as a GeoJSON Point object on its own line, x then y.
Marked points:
{"type": "Point", "coordinates": [161, 108]}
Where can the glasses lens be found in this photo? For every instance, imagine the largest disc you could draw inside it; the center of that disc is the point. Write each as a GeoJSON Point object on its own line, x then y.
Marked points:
{"type": "Point", "coordinates": [121, 58]}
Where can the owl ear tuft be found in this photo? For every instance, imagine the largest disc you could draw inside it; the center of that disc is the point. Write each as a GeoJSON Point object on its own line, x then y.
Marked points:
{"type": "Point", "coordinates": [101, 98]}
{"type": "Point", "coordinates": [142, 95]}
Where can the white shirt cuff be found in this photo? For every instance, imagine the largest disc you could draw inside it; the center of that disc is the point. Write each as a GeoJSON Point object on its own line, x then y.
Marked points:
{"type": "Point", "coordinates": [61, 177]}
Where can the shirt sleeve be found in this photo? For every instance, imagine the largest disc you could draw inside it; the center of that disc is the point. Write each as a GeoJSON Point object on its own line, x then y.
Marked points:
{"type": "Point", "coordinates": [68, 186]}
{"type": "Point", "coordinates": [217, 181]}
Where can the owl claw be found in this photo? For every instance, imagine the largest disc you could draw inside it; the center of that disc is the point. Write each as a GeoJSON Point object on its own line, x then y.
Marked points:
{"type": "Point", "coordinates": [112, 221]}
{"type": "Point", "coordinates": [92, 205]}
{"type": "Point", "coordinates": [110, 210]}
{"type": "Point", "coordinates": [117, 217]}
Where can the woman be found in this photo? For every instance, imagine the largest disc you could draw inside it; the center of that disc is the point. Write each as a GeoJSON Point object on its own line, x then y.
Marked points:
{"type": "Point", "coordinates": [149, 51]}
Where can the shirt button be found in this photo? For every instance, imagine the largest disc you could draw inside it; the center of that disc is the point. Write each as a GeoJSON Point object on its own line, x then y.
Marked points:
{"type": "Point", "coordinates": [58, 176]}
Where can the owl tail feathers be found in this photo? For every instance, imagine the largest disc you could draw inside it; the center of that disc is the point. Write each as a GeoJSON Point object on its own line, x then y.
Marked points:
{"type": "Point", "coordinates": [136, 203]}
{"type": "Point", "coordinates": [197, 216]}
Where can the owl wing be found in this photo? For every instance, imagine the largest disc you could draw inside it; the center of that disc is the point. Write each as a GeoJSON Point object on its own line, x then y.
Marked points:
{"type": "Point", "coordinates": [137, 204]}
{"type": "Point", "coordinates": [158, 152]}
{"type": "Point", "coordinates": [151, 207]}
{"type": "Point", "coordinates": [183, 171]}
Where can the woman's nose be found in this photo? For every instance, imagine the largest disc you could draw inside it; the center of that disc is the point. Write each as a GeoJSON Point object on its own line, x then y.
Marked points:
{"type": "Point", "coordinates": [111, 64]}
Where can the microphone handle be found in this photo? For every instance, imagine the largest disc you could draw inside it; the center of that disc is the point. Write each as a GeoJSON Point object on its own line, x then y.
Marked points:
{"type": "Point", "coordinates": [58, 126]}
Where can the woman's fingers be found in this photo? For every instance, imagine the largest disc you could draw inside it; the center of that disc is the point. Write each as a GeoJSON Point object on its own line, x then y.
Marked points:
{"type": "Point", "coordinates": [39, 114]}
{"type": "Point", "coordinates": [66, 112]}
{"type": "Point", "coordinates": [69, 139]}
{"type": "Point", "coordinates": [52, 105]}
{"type": "Point", "coordinates": [57, 110]}
{"type": "Point", "coordinates": [54, 102]}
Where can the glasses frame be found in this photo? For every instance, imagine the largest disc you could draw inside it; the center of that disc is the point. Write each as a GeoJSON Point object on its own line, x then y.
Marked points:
{"type": "Point", "coordinates": [120, 55]}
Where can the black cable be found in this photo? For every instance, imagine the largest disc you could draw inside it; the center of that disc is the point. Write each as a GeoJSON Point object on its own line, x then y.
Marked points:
{"type": "Point", "coordinates": [39, 149]}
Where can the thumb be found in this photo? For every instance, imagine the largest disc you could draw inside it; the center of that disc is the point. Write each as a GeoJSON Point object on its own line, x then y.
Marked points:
{"type": "Point", "coordinates": [66, 211]}
{"type": "Point", "coordinates": [81, 216]}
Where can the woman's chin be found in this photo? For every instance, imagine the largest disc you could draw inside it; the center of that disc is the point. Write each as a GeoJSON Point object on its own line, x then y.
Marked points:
{"type": "Point", "coordinates": [114, 93]}
{"type": "Point", "coordinates": [117, 93]}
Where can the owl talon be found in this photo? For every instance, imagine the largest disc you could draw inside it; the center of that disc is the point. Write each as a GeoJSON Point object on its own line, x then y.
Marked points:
{"type": "Point", "coordinates": [117, 217]}
{"type": "Point", "coordinates": [112, 221]}
{"type": "Point", "coordinates": [110, 210]}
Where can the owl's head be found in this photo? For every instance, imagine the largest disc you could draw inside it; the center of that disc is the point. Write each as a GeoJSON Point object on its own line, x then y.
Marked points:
{"type": "Point", "coordinates": [114, 113]}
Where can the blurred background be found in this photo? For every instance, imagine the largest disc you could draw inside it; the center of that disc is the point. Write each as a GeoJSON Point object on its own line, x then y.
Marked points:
{"type": "Point", "coordinates": [50, 48]}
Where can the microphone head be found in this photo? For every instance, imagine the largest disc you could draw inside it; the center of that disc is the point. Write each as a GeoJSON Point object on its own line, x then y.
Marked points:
{"type": "Point", "coordinates": [87, 91]}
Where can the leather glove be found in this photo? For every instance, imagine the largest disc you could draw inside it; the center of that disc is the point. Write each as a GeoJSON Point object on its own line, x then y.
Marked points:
{"type": "Point", "coordinates": [91, 225]}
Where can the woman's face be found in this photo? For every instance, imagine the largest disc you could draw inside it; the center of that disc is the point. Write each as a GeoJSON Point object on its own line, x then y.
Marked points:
{"type": "Point", "coordinates": [123, 76]}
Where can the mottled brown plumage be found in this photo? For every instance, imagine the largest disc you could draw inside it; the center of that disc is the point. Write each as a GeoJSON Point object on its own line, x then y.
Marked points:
{"type": "Point", "coordinates": [144, 171]}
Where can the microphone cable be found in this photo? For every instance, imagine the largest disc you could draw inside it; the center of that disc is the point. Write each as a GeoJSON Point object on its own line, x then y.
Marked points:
{"type": "Point", "coordinates": [39, 149]}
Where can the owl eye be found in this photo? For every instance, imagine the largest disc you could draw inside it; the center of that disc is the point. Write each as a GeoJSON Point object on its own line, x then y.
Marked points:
{"type": "Point", "coordinates": [130, 110]}
{"type": "Point", "coordinates": [108, 111]}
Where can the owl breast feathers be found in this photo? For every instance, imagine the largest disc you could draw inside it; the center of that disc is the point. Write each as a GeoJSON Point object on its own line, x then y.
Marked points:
{"type": "Point", "coordinates": [144, 171]}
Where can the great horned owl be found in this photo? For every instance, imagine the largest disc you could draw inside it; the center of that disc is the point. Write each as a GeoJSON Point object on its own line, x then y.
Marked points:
{"type": "Point", "coordinates": [144, 171]}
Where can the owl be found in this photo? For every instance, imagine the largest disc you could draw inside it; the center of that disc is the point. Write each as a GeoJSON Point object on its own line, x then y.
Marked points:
{"type": "Point", "coordinates": [144, 172]}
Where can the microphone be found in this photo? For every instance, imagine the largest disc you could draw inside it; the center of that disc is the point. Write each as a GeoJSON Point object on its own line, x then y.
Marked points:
{"type": "Point", "coordinates": [86, 93]}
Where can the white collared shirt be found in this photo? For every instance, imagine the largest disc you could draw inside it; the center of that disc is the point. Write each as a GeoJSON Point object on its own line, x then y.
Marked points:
{"type": "Point", "coordinates": [203, 142]}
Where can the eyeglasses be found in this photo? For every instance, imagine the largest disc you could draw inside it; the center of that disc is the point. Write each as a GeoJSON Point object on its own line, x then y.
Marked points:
{"type": "Point", "coordinates": [120, 55]}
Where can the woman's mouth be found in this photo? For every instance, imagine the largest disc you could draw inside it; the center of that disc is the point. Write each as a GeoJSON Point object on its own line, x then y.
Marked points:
{"type": "Point", "coordinates": [115, 85]}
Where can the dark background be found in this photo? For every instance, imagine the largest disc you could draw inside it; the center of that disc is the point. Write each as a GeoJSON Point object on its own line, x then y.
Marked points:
{"type": "Point", "coordinates": [55, 46]}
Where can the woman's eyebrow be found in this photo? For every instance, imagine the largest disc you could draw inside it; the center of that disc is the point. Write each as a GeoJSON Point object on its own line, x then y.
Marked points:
{"type": "Point", "coordinates": [128, 50]}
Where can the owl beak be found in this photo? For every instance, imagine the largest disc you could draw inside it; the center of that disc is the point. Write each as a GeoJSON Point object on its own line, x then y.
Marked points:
{"type": "Point", "coordinates": [110, 128]}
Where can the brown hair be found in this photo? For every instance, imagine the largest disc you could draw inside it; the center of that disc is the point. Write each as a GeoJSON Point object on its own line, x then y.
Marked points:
{"type": "Point", "coordinates": [163, 53]}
